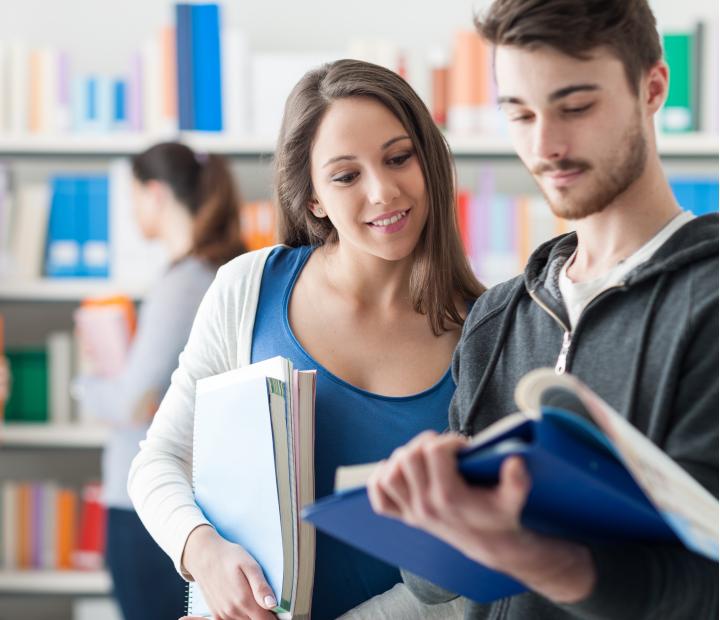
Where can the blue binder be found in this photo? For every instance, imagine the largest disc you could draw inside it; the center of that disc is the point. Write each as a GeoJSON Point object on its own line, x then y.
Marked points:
{"type": "Point", "coordinates": [580, 491]}
{"type": "Point", "coordinates": [62, 255]}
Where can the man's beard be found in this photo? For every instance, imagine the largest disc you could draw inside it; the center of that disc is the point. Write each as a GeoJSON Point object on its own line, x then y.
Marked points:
{"type": "Point", "coordinates": [612, 177]}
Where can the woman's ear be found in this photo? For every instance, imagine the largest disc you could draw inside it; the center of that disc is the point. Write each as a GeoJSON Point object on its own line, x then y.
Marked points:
{"type": "Point", "coordinates": [316, 209]}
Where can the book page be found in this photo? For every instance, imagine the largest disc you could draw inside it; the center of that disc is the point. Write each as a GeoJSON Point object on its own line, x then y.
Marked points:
{"type": "Point", "coordinates": [689, 509]}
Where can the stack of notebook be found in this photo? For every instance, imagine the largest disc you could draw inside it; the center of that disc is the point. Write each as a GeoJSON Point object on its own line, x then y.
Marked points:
{"type": "Point", "coordinates": [253, 459]}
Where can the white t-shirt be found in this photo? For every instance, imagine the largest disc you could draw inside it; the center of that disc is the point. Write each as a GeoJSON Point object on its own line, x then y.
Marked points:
{"type": "Point", "coordinates": [577, 295]}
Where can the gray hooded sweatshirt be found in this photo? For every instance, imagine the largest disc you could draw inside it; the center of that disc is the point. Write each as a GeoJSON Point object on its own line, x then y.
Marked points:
{"type": "Point", "coordinates": [648, 347]}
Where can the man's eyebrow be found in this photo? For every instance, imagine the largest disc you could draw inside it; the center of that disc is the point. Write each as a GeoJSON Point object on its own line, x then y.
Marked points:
{"type": "Point", "coordinates": [569, 90]}
{"type": "Point", "coordinates": [554, 96]}
{"type": "Point", "coordinates": [390, 142]}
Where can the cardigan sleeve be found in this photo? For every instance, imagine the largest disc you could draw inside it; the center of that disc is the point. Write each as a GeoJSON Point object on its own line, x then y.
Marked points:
{"type": "Point", "coordinates": [160, 480]}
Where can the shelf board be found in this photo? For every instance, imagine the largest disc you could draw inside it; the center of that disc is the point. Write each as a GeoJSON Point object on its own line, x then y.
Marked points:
{"type": "Point", "coordinates": [67, 289]}
{"type": "Point", "coordinates": [679, 145]}
{"type": "Point", "coordinates": [129, 143]}
{"type": "Point", "coordinates": [55, 582]}
{"type": "Point", "coordinates": [45, 435]}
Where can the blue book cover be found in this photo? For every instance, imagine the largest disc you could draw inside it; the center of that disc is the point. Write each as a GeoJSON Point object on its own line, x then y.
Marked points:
{"type": "Point", "coordinates": [62, 256]}
{"type": "Point", "coordinates": [95, 250]}
{"type": "Point", "coordinates": [696, 194]}
{"type": "Point", "coordinates": [206, 67]}
{"type": "Point", "coordinates": [183, 44]}
{"type": "Point", "coordinates": [580, 491]}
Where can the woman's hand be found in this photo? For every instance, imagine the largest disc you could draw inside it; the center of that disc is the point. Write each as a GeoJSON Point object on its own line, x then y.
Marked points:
{"type": "Point", "coordinates": [231, 581]}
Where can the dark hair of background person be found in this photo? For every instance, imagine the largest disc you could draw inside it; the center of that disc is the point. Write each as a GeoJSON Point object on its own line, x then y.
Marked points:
{"type": "Point", "coordinates": [440, 272]}
{"type": "Point", "coordinates": [627, 28]}
{"type": "Point", "coordinates": [204, 185]}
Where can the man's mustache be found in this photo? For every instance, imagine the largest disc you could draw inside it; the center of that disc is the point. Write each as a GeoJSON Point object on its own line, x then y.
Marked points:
{"type": "Point", "coordinates": [560, 166]}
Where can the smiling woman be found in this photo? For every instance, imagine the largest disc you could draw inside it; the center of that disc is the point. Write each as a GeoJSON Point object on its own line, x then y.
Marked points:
{"type": "Point", "coordinates": [371, 289]}
{"type": "Point", "coordinates": [338, 90]}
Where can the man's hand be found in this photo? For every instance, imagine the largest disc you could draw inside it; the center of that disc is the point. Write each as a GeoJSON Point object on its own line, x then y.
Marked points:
{"type": "Point", "coordinates": [420, 484]}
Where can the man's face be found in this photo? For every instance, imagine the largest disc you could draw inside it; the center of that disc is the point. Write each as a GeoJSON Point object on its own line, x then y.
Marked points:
{"type": "Point", "coordinates": [575, 124]}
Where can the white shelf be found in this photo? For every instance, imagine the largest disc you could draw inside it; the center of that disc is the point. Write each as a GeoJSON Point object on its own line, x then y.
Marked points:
{"type": "Point", "coordinates": [680, 145]}
{"type": "Point", "coordinates": [129, 144]}
{"type": "Point", "coordinates": [55, 582]}
{"type": "Point", "coordinates": [44, 435]}
{"type": "Point", "coordinates": [67, 289]}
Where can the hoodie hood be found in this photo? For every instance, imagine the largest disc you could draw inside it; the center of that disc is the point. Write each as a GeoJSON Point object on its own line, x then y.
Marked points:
{"type": "Point", "coordinates": [695, 241]}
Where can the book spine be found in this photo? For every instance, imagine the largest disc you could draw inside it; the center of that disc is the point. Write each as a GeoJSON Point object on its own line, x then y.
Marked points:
{"type": "Point", "coordinates": [206, 69]}
{"type": "Point", "coordinates": [8, 525]}
{"type": "Point", "coordinates": [677, 115]}
{"type": "Point", "coordinates": [66, 527]}
{"type": "Point", "coordinates": [184, 66]}
{"type": "Point", "coordinates": [95, 246]}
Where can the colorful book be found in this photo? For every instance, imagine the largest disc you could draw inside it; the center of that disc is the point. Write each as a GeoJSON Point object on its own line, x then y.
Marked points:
{"type": "Point", "coordinates": [63, 236]}
{"type": "Point", "coordinates": [185, 90]}
{"type": "Point", "coordinates": [680, 111]}
{"type": "Point", "coordinates": [95, 243]}
{"type": "Point", "coordinates": [28, 400]}
{"type": "Point", "coordinates": [594, 477]}
{"type": "Point", "coordinates": [206, 67]}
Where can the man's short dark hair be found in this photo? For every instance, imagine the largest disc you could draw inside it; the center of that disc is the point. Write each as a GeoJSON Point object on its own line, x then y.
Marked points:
{"type": "Point", "coordinates": [575, 27]}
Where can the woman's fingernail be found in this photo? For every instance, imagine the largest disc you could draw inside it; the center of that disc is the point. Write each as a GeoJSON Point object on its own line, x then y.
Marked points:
{"type": "Point", "coordinates": [270, 601]}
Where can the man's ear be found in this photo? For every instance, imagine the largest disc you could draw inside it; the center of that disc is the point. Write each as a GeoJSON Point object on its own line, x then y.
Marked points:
{"type": "Point", "coordinates": [316, 209]}
{"type": "Point", "coordinates": [654, 87]}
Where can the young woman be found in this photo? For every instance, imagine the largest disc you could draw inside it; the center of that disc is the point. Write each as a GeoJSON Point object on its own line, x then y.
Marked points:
{"type": "Point", "coordinates": [370, 287]}
{"type": "Point", "coordinates": [188, 203]}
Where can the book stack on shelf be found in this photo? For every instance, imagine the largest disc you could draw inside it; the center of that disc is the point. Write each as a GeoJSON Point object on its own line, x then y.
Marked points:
{"type": "Point", "coordinates": [198, 73]}
{"type": "Point", "coordinates": [499, 231]}
{"type": "Point", "coordinates": [74, 226]}
{"type": "Point", "coordinates": [46, 526]}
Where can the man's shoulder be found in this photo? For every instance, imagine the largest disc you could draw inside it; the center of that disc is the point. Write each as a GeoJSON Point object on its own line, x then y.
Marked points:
{"type": "Point", "coordinates": [493, 302]}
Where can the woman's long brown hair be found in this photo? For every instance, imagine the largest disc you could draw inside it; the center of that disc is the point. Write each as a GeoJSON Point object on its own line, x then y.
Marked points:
{"type": "Point", "coordinates": [440, 274]}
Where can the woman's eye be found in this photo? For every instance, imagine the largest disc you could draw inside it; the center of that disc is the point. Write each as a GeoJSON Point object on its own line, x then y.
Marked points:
{"type": "Point", "coordinates": [521, 118]}
{"type": "Point", "coordinates": [399, 160]}
{"type": "Point", "coordinates": [345, 178]}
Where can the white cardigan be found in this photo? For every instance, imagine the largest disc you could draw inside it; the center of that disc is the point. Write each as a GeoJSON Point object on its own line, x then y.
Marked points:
{"type": "Point", "coordinates": [160, 480]}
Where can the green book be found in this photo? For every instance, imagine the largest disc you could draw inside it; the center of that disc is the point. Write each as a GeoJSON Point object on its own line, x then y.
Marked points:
{"type": "Point", "coordinates": [680, 111]}
{"type": "Point", "coordinates": [29, 388]}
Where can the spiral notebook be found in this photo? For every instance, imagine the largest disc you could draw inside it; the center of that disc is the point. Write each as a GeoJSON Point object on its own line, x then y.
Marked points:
{"type": "Point", "coordinates": [253, 455]}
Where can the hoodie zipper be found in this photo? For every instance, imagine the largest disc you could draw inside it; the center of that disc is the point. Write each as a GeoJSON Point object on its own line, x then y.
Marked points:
{"type": "Point", "coordinates": [561, 363]}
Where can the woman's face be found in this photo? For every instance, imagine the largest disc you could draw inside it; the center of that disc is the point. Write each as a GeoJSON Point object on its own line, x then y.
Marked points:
{"type": "Point", "coordinates": [146, 208]}
{"type": "Point", "coordinates": [367, 179]}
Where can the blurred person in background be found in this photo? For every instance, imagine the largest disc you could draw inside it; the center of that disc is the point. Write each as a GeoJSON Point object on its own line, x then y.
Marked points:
{"type": "Point", "coordinates": [189, 203]}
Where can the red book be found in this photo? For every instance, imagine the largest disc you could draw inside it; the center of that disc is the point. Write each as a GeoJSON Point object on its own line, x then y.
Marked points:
{"type": "Point", "coordinates": [463, 219]}
{"type": "Point", "coordinates": [91, 537]}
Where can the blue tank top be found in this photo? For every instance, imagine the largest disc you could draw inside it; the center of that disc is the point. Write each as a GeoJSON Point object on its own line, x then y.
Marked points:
{"type": "Point", "coordinates": [352, 426]}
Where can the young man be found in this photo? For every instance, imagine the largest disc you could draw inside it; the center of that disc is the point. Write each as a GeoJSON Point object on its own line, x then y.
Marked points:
{"type": "Point", "coordinates": [629, 304]}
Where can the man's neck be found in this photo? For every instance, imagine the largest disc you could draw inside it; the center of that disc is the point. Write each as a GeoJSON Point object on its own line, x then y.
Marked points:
{"type": "Point", "coordinates": [623, 227]}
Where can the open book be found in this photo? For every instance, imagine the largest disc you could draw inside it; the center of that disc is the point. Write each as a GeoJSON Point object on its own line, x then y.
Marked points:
{"type": "Point", "coordinates": [253, 459]}
{"type": "Point", "coordinates": [594, 478]}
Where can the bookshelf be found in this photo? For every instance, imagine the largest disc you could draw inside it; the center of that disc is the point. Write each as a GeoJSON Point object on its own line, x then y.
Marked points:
{"type": "Point", "coordinates": [54, 582]}
{"type": "Point", "coordinates": [123, 144]}
{"type": "Point", "coordinates": [17, 435]}
{"type": "Point", "coordinates": [34, 308]}
{"type": "Point", "coordinates": [69, 289]}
